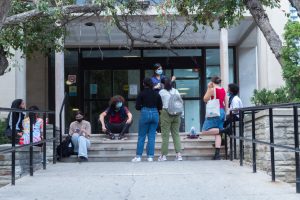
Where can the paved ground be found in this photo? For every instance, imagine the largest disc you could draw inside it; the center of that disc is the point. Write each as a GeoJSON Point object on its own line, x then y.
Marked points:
{"type": "Point", "coordinates": [199, 180]}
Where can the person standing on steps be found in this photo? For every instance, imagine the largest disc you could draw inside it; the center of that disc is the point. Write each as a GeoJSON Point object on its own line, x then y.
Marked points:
{"type": "Point", "coordinates": [158, 78]}
{"type": "Point", "coordinates": [149, 103]}
{"type": "Point", "coordinates": [169, 122]}
{"type": "Point", "coordinates": [214, 125]}
{"type": "Point", "coordinates": [119, 118]}
{"type": "Point", "coordinates": [158, 81]}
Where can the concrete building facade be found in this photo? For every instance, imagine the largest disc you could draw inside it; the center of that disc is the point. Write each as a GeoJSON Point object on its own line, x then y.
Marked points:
{"type": "Point", "coordinates": [238, 54]}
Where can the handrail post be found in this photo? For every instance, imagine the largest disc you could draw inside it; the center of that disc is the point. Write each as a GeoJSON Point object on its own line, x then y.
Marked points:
{"type": "Point", "coordinates": [54, 140]}
{"type": "Point", "coordinates": [296, 137]}
{"type": "Point", "coordinates": [230, 138]}
{"type": "Point", "coordinates": [13, 153]}
{"type": "Point", "coordinates": [44, 143]}
{"type": "Point", "coordinates": [253, 142]}
{"type": "Point", "coordinates": [234, 141]}
{"type": "Point", "coordinates": [60, 135]}
{"type": "Point", "coordinates": [241, 118]}
{"type": "Point", "coordinates": [31, 147]}
{"type": "Point", "coordinates": [272, 142]}
{"type": "Point", "coordinates": [60, 123]}
{"type": "Point", "coordinates": [226, 147]}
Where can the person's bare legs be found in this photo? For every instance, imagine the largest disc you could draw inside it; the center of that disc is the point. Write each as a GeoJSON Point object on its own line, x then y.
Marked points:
{"type": "Point", "coordinates": [218, 141]}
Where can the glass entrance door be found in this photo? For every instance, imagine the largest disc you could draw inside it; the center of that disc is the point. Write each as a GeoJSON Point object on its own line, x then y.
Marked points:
{"type": "Point", "coordinates": [101, 85]}
{"type": "Point", "coordinates": [188, 85]}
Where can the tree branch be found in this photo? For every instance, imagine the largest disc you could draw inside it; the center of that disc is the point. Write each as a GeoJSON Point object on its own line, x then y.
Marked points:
{"type": "Point", "coordinates": [4, 9]}
{"type": "Point", "coordinates": [296, 4]}
{"type": "Point", "coordinates": [66, 10]}
{"type": "Point", "coordinates": [262, 20]}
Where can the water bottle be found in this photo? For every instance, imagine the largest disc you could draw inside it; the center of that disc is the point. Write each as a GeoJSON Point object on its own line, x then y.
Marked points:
{"type": "Point", "coordinates": [193, 131]}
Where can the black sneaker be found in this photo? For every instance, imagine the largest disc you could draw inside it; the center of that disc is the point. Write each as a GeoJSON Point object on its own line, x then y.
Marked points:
{"type": "Point", "coordinates": [216, 157]}
{"type": "Point", "coordinates": [226, 131]}
{"type": "Point", "coordinates": [82, 159]}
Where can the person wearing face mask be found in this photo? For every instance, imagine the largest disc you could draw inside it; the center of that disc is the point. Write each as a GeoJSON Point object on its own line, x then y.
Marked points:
{"type": "Point", "coordinates": [116, 118]}
{"type": "Point", "coordinates": [234, 103]}
{"type": "Point", "coordinates": [80, 131]}
{"type": "Point", "coordinates": [16, 118]}
{"type": "Point", "coordinates": [158, 78]}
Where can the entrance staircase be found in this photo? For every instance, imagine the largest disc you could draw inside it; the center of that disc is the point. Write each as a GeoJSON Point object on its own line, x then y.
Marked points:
{"type": "Point", "coordinates": [106, 150]}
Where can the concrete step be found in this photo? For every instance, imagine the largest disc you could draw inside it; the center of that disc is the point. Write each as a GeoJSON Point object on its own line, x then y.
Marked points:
{"type": "Point", "coordinates": [103, 149]}
{"type": "Point", "coordinates": [135, 136]}
{"type": "Point", "coordinates": [197, 151]}
{"type": "Point", "coordinates": [127, 158]}
{"type": "Point", "coordinates": [132, 143]}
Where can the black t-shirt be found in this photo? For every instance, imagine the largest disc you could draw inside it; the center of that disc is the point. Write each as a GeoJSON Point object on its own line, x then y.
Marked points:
{"type": "Point", "coordinates": [148, 98]}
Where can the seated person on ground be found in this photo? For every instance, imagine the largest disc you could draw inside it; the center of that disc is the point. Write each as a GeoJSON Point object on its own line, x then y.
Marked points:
{"type": "Point", "coordinates": [80, 130]}
{"type": "Point", "coordinates": [119, 118]}
{"type": "Point", "coordinates": [37, 129]}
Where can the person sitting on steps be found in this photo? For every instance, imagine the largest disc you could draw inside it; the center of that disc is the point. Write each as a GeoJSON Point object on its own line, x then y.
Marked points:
{"type": "Point", "coordinates": [80, 131]}
{"type": "Point", "coordinates": [119, 118]}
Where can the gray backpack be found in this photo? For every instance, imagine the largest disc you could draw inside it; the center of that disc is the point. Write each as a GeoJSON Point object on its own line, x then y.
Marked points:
{"type": "Point", "coordinates": [175, 105]}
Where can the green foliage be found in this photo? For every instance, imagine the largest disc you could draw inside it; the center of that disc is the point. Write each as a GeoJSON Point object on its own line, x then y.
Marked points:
{"type": "Point", "coordinates": [38, 34]}
{"type": "Point", "coordinates": [3, 139]}
{"type": "Point", "coordinates": [290, 71]}
{"type": "Point", "coordinates": [266, 97]}
{"type": "Point", "coordinates": [226, 12]}
{"type": "Point", "coordinates": [291, 58]}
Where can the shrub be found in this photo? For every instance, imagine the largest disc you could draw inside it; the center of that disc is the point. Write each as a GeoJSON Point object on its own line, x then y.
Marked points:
{"type": "Point", "coordinates": [266, 97]}
{"type": "Point", "coordinates": [290, 71]}
{"type": "Point", "coordinates": [3, 139]}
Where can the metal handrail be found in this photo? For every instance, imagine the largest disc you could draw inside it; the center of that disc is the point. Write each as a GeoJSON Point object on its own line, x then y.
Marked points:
{"type": "Point", "coordinates": [60, 121]}
{"type": "Point", "coordinates": [271, 143]}
{"type": "Point", "coordinates": [44, 141]}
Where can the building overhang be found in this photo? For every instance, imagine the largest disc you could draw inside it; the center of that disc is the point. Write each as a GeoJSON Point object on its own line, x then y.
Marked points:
{"type": "Point", "coordinates": [97, 32]}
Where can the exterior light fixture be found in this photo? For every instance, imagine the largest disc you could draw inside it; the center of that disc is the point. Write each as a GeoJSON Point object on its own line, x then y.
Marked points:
{"type": "Point", "coordinates": [144, 4]}
{"type": "Point", "coordinates": [89, 24]}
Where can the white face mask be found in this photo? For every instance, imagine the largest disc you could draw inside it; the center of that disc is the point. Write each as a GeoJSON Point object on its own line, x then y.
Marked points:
{"type": "Point", "coordinates": [119, 105]}
{"type": "Point", "coordinates": [159, 71]}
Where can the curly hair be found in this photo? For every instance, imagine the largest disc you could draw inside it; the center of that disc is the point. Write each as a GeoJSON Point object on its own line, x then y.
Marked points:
{"type": "Point", "coordinates": [113, 100]}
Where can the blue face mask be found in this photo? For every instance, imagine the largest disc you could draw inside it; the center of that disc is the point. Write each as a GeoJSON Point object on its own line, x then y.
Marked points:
{"type": "Point", "coordinates": [119, 105]}
{"type": "Point", "coordinates": [228, 94]}
{"type": "Point", "coordinates": [159, 71]}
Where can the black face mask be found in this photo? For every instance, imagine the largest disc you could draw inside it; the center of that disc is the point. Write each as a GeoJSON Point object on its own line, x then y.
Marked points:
{"type": "Point", "coordinates": [78, 120]}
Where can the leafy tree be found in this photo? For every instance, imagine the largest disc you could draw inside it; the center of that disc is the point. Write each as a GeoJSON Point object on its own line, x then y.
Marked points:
{"type": "Point", "coordinates": [290, 71]}
{"type": "Point", "coordinates": [291, 57]}
{"type": "Point", "coordinates": [36, 24]}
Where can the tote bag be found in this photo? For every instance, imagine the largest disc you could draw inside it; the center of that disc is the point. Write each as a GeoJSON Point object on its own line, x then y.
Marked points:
{"type": "Point", "coordinates": [213, 107]}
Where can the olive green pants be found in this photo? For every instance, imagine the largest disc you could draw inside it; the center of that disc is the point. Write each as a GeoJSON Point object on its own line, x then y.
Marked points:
{"type": "Point", "coordinates": [169, 123]}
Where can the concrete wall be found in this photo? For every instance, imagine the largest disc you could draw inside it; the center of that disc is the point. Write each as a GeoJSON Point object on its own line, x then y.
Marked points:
{"type": "Point", "coordinates": [37, 81]}
{"type": "Point", "coordinates": [269, 68]}
{"type": "Point", "coordinates": [283, 134]}
{"type": "Point", "coordinates": [8, 86]}
{"type": "Point", "coordinates": [247, 66]}
{"type": "Point", "coordinates": [247, 73]}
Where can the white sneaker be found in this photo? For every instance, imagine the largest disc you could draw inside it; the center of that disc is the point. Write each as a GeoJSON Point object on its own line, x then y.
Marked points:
{"type": "Point", "coordinates": [150, 159]}
{"type": "Point", "coordinates": [162, 158]}
{"type": "Point", "coordinates": [136, 159]}
{"type": "Point", "coordinates": [179, 157]}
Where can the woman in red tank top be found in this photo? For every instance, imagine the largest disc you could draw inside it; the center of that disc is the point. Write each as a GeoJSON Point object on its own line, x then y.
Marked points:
{"type": "Point", "coordinates": [214, 125]}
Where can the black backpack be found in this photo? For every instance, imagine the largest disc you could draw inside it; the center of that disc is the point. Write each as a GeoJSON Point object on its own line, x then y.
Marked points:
{"type": "Point", "coordinates": [66, 147]}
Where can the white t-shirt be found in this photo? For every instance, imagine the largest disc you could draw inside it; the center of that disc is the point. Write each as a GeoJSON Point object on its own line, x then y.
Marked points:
{"type": "Point", "coordinates": [236, 103]}
{"type": "Point", "coordinates": [165, 96]}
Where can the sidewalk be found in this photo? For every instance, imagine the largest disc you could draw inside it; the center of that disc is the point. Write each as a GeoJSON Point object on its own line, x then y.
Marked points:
{"type": "Point", "coordinates": [187, 180]}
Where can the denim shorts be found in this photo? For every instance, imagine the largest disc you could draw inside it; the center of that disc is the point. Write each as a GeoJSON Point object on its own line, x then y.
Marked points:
{"type": "Point", "coordinates": [214, 122]}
